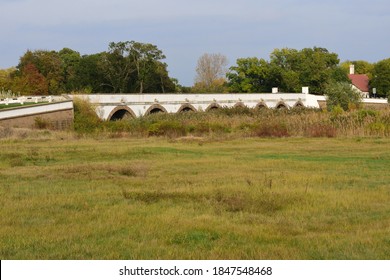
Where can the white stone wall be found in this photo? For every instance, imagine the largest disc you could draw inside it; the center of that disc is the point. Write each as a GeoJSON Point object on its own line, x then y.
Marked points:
{"type": "Point", "coordinates": [34, 110]}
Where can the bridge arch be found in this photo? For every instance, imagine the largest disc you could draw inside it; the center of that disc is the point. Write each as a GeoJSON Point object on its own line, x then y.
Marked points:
{"type": "Point", "coordinates": [261, 105]}
{"type": "Point", "coordinates": [186, 108]}
{"type": "Point", "coordinates": [213, 106]}
{"type": "Point", "coordinates": [154, 109]}
{"type": "Point", "coordinates": [281, 106]}
{"type": "Point", "coordinates": [239, 105]}
{"type": "Point", "coordinates": [298, 104]}
{"type": "Point", "coordinates": [120, 113]}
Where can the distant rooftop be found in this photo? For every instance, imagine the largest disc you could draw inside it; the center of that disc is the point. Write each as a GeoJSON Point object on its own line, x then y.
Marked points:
{"type": "Point", "coordinates": [361, 81]}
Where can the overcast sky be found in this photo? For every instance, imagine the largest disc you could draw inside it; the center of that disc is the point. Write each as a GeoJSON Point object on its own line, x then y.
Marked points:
{"type": "Point", "coordinates": [185, 29]}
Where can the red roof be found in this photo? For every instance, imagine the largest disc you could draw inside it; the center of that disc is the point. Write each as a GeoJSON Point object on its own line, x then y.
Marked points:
{"type": "Point", "coordinates": [360, 81]}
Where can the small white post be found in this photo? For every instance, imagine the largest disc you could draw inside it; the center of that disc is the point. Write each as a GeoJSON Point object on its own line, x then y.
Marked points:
{"type": "Point", "coordinates": [275, 90]}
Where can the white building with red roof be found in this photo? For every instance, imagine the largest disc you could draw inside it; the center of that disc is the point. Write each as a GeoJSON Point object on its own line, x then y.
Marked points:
{"type": "Point", "coordinates": [359, 82]}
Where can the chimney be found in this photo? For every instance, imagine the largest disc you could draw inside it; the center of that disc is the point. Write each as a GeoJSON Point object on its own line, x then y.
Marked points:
{"type": "Point", "coordinates": [352, 69]}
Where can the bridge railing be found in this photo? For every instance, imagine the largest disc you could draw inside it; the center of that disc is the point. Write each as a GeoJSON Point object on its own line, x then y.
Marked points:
{"type": "Point", "coordinates": [26, 99]}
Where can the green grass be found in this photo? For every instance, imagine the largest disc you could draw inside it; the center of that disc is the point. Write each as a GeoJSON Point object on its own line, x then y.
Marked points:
{"type": "Point", "coordinates": [190, 198]}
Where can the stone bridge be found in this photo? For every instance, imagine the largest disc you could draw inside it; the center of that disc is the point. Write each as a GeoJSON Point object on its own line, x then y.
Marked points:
{"type": "Point", "coordinates": [120, 106]}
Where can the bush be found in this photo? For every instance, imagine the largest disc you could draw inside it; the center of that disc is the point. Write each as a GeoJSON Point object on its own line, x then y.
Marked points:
{"type": "Point", "coordinates": [85, 118]}
{"type": "Point", "coordinates": [170, 129]}
{"type": "Point", "coordinates": [343, 95]}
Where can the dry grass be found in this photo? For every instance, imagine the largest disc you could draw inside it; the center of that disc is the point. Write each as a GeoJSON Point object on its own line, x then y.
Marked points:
{"type": "Point", "coordinates": [195, 198]}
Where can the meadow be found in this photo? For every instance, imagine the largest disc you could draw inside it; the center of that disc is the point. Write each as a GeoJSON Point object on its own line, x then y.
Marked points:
{"type": "Point", "coordinates": [67, 196]}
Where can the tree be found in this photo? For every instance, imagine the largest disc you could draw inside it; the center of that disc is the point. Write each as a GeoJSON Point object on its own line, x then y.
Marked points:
{"type": "Point", "coordinates": [342, 94]}
{"type": "Point", "coordinates": [70, 63]}
{"type": "Point", "coordinates": [128, 65]}
{"type": "Point", "coordinates": [210, 73]}
{"type": "Point", "coordinates": [361, 67]}
{"type": "Point", "coordinates": [313, 67]}
{"type": "Point", "coordinates": [381, 78]}
{"type": "Point", "coordinates": [30, 81]}
{"type": "Point", "coordinates": [49, 64]}
{"type": "Point", "coordinates": [5, 78]}
{"type": "Point", "coordinates": [117, 65]}
{"type": "Point", "coordinates": [145, 58]}
{"type": "Point", "coordinates": [289, 70]}
{"type": "Point", "coordinates": [91, 76]}
{"type": "Point", "coordinates": [250, 75]}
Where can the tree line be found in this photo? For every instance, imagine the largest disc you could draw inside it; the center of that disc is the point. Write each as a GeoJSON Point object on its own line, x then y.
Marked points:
{"type": "Point", "coordinates": [289, 70]}
{"type": "Point", "coordinates": [126, 67]}
{"type": "Point", "coordinates": [134, 67]}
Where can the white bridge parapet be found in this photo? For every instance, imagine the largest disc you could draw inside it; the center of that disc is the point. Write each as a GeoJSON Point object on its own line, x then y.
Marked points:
{"type": "Point", "coordinates": [118, 106]}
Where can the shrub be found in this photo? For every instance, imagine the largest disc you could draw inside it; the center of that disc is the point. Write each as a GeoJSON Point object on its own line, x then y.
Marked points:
{"type": "Point", "coordinates": [171, 129]}
{"type": "Point", "coordinates": [377, 128]}
{"type": "Point", "coordinates": [343, 95]}
{"type": "Point", "coordinates": [85, 118]}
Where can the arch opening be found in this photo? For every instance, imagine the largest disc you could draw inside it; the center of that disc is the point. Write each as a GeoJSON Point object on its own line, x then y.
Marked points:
{"type": "Point", "coordinates": [186, 108]}
{"type": "Point", "coordinates": [299, 104]}
{"type": "Point", "coordinates": [155, 109]}
{"type": "Point", "coordinates": [121, 113]}
{"type": "Point", "coordinates": [213, 107]}
{"type": "Point", "coordinates": [261, 106]}
{"type": "Point", "coordinates": [281, 106]}
{"type": "Point", "coordinates": [239, 105]}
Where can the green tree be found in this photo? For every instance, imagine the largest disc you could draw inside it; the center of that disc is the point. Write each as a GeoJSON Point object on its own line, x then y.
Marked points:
{"type": "Point", "coordinates": [145, 57]}
{"type": "Point", "coordinates": [5, 78]}
{"type": "Point", "coordinates": [381, 78]}
{"type": "Point", "coordinates": [91, 77]}
{"type": "Point", "coordinates": [117, 65]}
{"type": "Point", "coordinates": [70, 63]}
{"type": "Point", "coordinates": [129, 65]}
{"type": "Point", "coordinates": [361, 67]}
{"type": "Point", "coordinates": [343, 95]}
{"type": "Point", "coordinates": [158, 79]}
{"type": "Point", "coordinates": [288, 69]}
{"type": "Point", "coordinates": [250, 75]}
{"type": "Point", "coordinates": [313, 67]}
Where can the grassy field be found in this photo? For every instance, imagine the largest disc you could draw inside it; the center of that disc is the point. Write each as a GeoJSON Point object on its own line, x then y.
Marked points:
{"type": "Point", "coordinates": [191, 198]}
